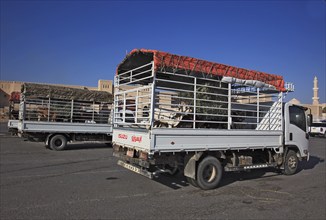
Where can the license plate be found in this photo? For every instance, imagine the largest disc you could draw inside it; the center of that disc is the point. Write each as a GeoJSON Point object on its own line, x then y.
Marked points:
{"type": "Point", "coordinates": [129, 167]}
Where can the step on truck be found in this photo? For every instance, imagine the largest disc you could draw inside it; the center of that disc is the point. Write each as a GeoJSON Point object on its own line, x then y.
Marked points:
{"type": "Point", "coordinates": [203, 118]}
{"type": "Point", "coordinates": [57, 115]}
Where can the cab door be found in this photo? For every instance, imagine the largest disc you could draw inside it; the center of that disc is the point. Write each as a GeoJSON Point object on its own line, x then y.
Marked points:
{"type": "Point", "coordinates": [296, 128]}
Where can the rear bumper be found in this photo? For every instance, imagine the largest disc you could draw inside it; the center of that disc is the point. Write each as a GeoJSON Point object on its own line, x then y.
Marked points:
{"type": "Point", "coordinates": [136, 169]}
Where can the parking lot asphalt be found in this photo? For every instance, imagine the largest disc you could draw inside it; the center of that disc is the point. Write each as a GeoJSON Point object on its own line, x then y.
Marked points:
{"type": "Point", "coordinates": [84, 182]}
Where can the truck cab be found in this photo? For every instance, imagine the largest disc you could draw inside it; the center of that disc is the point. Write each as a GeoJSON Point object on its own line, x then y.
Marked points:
{"type": "Point", "coordinates": [296, 128]}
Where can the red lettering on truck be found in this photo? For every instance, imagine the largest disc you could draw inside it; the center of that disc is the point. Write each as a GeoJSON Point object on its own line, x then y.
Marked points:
{"type": "Point", "coordinates": [122, 136]}
{"type": "Point", "coordinates": [136, 139]}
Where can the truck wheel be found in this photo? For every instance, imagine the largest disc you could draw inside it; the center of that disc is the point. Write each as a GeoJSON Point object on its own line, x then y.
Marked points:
{"type": "Point", "coordinates": [192, 181]}
{"type": "Point", "coordinates": [58, 142]}
{"type": "Point", "coordinates": [291, 163]}
{"type": "Point", "coordinates": [209, 173]}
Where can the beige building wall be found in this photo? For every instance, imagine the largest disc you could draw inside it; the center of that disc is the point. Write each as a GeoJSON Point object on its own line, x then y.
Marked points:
{"type": "Point", "coordinates": [105, 85]}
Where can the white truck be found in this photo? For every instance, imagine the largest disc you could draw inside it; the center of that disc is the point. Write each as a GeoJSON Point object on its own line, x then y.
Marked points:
{"type": "Point", "coordinates": [203, 118]}
{"type": "Point", "coordinates": [57, 115]}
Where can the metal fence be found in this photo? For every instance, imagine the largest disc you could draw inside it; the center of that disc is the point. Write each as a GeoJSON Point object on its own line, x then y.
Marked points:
{"type": "Point", "coordinates": [149, 98]}
{"type": "Point", "coordinates": [55, 110]}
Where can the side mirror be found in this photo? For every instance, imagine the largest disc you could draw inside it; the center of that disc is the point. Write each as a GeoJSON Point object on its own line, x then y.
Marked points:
{"type": "Point", "coordinates": [309, 119]}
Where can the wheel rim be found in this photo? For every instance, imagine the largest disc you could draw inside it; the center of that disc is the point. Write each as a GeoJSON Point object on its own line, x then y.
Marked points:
{"type": "Point", "coordinates": [209, 173]}
{"type": "Point", "coordinates": [58, 143]}
{"type": "Point", "coordinates": [292, 162]}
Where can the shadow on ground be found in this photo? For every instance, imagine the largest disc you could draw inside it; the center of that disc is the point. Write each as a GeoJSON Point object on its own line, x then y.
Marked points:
{"type": "Point", "coordinates": [83, 146]}
{"type": "Point", "coordinates": [87, 146]}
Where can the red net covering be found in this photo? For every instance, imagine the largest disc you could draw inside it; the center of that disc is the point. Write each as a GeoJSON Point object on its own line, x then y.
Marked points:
{"type": "Point", "coordinates": [167, 60]}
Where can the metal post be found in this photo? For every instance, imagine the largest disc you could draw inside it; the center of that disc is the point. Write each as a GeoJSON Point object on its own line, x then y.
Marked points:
{"type": "Point", "coordinates": [153, 96]}
{"type": "Point", "coordinates": [49, 106]}
{"type": "Point", "coordinates": [269, 118]}
{"type": "Point", "coordinates": [195, 104]}
{"type": "Point", "coordinates": [136, 107]}
{"type": "Point", "coordinates": [124, 107]}
{"type": "Point", "coordinates": [116, 100]}
{"type": "Point", "coordinates": [71, 110]}
{"type": "Point", "coordinates": [229, 107]}
{"type": "Point", "coordinates": [93, 112]}
{"type": "Point", "coordinates": [258, 97]}
{"type": "Point", "coordinates": [281, 116]}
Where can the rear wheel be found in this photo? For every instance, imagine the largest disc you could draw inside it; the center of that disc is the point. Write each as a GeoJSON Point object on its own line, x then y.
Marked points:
{"type": "Point", "coordinates": [291, 163]}
{"type": "Point", "coordinates": [209, 173]}
{"type": "Point", "coordinates": [58, 142]}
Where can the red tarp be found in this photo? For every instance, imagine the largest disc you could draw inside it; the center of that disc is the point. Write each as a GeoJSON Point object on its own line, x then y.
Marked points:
{"type": "Point", "coordinates": [163, 59]}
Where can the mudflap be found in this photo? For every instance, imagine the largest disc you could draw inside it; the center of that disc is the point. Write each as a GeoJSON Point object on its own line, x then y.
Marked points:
{"type": "Point", "coordinates": [190, 167]}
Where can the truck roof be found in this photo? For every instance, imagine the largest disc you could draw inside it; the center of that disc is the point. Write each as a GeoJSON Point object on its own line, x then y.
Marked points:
{"type": "Point", "coordinates": [164, 60]}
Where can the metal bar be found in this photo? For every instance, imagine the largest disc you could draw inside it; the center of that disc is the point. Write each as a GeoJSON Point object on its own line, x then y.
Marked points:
{"type": "Point", "coordinates": [136, 105]}
{"type": "Point", "coordinates": [148, 64]}
{"type": "Point", "coordinates": [133, 90]}
{"type": "Point", "coordinates": [151, 119]}
{"type": "Point", "coordinates": [71, 110]}
{"type": "Point", "coordinates": [124, 108]}
{"type": "Point", "coordinates": [136, 80]}
{"type": "Point", "coordinates": [195, 103]}
{"type": "Point", "coordinates": [173, 81]}
{"type": "Point", "coordinates": [93, 113]}
{"type": "Point", "coordinates": [258, 105]}
{"type": "Point", "coordinates": [173, 89]}
{"type": "Point", "coordinates": [229, 107]}
{"type": "Point", "coordinates": [49, 106]}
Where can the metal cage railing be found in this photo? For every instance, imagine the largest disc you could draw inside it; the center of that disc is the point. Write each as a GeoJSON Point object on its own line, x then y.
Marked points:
{"type": "Point", "coordinates": [149, 98]}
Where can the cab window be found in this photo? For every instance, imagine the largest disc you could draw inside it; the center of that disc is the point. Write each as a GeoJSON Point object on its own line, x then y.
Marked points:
{"type": "Point", "coordinates": [298, 117]}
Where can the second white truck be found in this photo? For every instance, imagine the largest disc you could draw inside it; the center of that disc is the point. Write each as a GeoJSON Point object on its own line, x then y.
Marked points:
{"type": "Point", "coordinates": [58, 115]}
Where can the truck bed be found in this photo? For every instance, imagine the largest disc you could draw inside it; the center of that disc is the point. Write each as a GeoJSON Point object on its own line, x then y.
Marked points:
{"type": "Point", "coordinates": [64, 127]}
{"type": "Point", "coordinates": [178, 140]}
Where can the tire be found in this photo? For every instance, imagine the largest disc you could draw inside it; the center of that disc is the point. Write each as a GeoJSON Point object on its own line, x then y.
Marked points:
{"type": "Point", "coordinates": [209, 173]}
{"type": "Point", "coordinates": [58, 142]}
{"type": "Point", "coordinates": [192, 181]}
{"type": "Point", "coordinates": [291, 163]}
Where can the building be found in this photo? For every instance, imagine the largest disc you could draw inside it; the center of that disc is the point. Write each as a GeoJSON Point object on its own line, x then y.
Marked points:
{"type": "Point", "coordinates": [316, 107]}
{"type": "Point", "coordinates": [7, 87]}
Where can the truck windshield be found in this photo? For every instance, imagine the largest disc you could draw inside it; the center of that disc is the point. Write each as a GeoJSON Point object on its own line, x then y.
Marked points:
{"type": "Point", "coordinates": [298, 117]}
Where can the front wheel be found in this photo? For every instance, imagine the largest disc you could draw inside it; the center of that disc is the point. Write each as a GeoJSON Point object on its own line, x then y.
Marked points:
{"type": "Point", "coordinates": [58, 142]}
{"type": "Point", "coordinates": [291, 163]}
{"type": "Point", "coordinates": [209, 173]}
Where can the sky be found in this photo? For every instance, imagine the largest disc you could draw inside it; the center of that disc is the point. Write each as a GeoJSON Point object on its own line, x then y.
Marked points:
{"type": "Point", "coordinates": [79, 42]}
